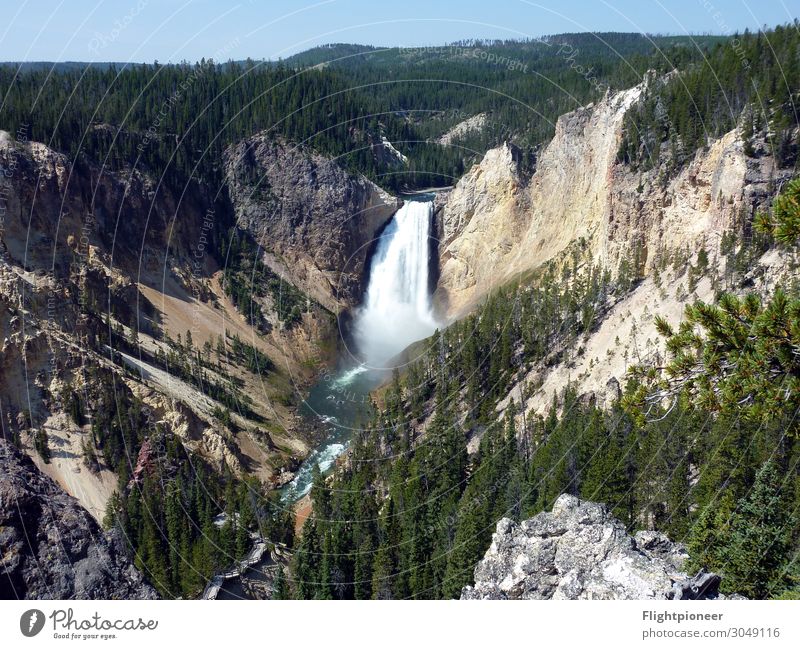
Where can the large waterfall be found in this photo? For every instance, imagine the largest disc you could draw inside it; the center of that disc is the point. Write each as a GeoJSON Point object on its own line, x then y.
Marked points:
{"type": "Point", "coordinates": [395, 313]}
{"type": "Point", "coordinates": [397, 306]}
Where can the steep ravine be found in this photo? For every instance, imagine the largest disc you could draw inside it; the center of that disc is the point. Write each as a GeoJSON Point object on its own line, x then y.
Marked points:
{"type": "Point", "coordinates": [79, 244]}
{"type": "Point", "coordinates": [315, 225]}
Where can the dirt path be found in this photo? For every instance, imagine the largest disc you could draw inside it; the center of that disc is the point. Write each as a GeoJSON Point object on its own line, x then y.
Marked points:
{"type": "Point", "coordinates": [302, 510]}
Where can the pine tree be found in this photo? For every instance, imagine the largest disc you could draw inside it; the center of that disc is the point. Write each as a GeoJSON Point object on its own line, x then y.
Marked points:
{"type": "Point", "coordinates": [470, 543]}
{"type": "Point", "coordinates": [708, 534]}
{"type": "Point", "coordinates": [784, 222]}
{"type": "Point", "coordinates": [306, 562]}
{"type": "Point", "coordinates": [758, 546]}
{"type": "Point", "coordinates": [41, 442]}
{"type": "Point", "coordinates": [280, 587]}
{"type": "Point", "coordinates": [383, 573]}
{"type": "Point", "coordinates": [726, 355]}
{"type": "Point", "coordinates": [362, 572]}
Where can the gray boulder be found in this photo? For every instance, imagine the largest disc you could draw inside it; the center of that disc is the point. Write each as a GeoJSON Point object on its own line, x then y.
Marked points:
{"type": "Point", "coordinates": [580, 551]}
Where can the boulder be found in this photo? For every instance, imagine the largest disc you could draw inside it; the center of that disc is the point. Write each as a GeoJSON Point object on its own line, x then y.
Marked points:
{"type": "Point", "coordinates": [581, 551]}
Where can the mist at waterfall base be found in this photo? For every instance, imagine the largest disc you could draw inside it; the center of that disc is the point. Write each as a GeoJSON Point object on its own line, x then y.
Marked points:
{"type": "Point", "coordinates": [396, 312]}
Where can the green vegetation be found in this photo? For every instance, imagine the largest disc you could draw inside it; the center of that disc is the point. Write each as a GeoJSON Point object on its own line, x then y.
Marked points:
{"type": "Point", "coordinates": [250, 357]}
{"type": "Point", "coordinates": [170, 515]}
{"type": "Point", "coordinates": [176, 120]}
{"type": "Point", "coordinates": [703, 448]}
{"type": "Point", "coordinates": [436, 510]}
{"type": "Point", "coordinates": [738, 353]}
{"type": "Point", "coordinates": [753, 546]}
{"type": "Point", "coordinates": [41, 443]}
{"type": "Point", "coordinates": [193, 365]}
{"type": "Point", "coordinates": [167, 500]}
{"type": "Point", "coordinates": [523, 86]}
{"type": "Point", "coordinates": [750, 82]}
{"type": "Point", "coordinates": [783, 222]}
{"type": "Point", "coordinates": [246, 277]}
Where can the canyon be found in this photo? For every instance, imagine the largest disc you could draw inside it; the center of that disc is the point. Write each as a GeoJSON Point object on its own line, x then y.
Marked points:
{"type": "Point", "coordinates": [580, 208]}
{"type": "Point", "coordinates": [75, 235]}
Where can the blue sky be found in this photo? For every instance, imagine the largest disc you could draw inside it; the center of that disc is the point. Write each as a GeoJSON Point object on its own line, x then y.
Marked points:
{"type": "Point", "coordinates": [173, 30]}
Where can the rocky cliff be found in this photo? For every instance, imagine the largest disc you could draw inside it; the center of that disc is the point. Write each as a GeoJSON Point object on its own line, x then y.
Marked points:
{"type": "Point", "coordinates": [314, 220]}
{"type": "Point", "coordinates": [497, 224]}
{"type": "Point", "coordinates": [59, 212]}
{"type": "Point", "coordinates": [84, 250]}
{"type": "Point", "coordinates": [51, 547]}
{"type": "Point", "coordinates": [580, 551]}
{"type": "Point", "coordinates": [480, 223]}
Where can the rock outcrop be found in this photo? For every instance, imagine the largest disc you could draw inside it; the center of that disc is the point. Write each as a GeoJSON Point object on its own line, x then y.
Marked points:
{"type": "Point", "coordinates": [496, 224]}
{"type": "Point", "coordinates": [51, 547]}
{"type": "Point", "coordinates": [463, 129]}
{"type": "Point", "coordinates": [314, 220]}
{"type": "Point", "coordinates": [580, 551]}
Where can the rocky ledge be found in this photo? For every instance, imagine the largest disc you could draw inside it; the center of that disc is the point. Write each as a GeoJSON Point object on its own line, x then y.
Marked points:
{"type": "Point", "coordinates": [51, 548]}
{"type": "Point", "coordinates": [580, 551]}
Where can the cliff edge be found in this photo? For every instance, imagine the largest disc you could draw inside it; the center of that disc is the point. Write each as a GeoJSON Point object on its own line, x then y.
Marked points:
{"type": "Point", "coordinates": [580, 551]}
{"type": "Point", "coordinates": [51, 547]}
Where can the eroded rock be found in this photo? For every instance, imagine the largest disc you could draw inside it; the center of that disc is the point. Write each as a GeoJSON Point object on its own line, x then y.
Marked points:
{"type": "Point", "coordinates": [581, 551]}
{"type": "Point", "coordinates": [51, 547]}
{"type": "Point", "coordinates": [315, 221]}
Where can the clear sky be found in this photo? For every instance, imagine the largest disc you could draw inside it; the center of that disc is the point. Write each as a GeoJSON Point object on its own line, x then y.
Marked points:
{"type": "Point", "coordinates": [173, 30]}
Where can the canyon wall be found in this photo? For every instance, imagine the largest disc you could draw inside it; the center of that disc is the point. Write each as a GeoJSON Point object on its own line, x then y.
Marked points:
{"type": "Point", "coordinates": [314, 220]}
{"type": "Point", "coordinates": [495, 224]}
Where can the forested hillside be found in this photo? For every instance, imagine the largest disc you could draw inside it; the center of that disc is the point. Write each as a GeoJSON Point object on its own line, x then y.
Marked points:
{"type": "Point", "coordinates": [702, 445]}
{"type": "Point", "coordinates": [343, 100]}
{"type": "Point", "coordinates": [752, 83]}
{"type": "Point", "coordinates": [147, 116]}
{"type": "Point", "coordinates": [522, 85]}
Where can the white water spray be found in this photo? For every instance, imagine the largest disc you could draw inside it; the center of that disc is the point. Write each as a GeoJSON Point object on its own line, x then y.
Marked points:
{"type": "Point", "coordinates": [397, 306]}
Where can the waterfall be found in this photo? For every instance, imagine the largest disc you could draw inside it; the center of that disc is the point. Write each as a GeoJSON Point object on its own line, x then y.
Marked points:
{"type": "Point", "coordinates": [396, 312]}
{"type": "Point", "coordinates": [397, 306]}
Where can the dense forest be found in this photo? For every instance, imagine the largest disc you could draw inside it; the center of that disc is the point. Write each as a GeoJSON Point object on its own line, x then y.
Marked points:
{"type": "Point", "coordinates": [343, 100]}
{"type": "Point", "coordinates": [751, 82]}
{"type": "Point", "coordinates": [166, 500]}
{"type": "Point", "coordinates": [702, 446]}
{"type": "Point", "coordinates": [175, 120]}
{"type": "Point", "coordinates": [522, 86]}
